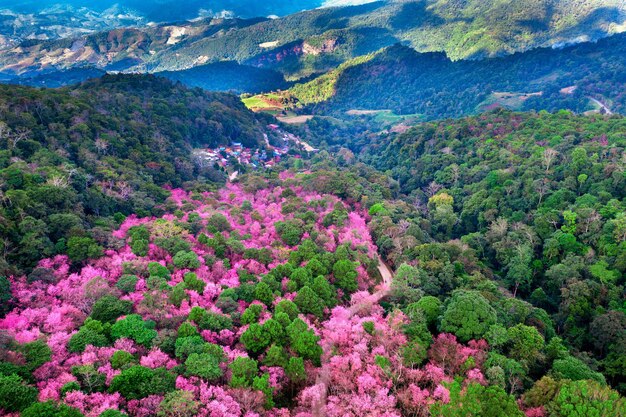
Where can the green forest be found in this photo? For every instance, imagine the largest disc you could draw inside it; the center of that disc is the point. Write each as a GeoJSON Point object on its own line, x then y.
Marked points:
{"type": "Point", "coordinates": [407, 82]}
{"type": "Point", "coordinates": [75, 161]}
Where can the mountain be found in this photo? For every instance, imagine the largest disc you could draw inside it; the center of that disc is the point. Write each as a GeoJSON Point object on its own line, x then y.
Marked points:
{"type": "Point", "coordinates": [60, 21]}
{"type": "Point", "coordinates": [316, 41]}
{"type": "Point", "coordinates": [109, 145]}
{"type": "Point", "coordinates": [170, 10]}
{"type": "Point", "coordinates": [580, 78]}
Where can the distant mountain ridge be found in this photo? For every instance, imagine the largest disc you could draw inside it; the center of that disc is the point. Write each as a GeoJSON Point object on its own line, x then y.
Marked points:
{"type": "Point", "coordinates": [316, 41]}
{"type": "Point", "coordinates": [577, 78]}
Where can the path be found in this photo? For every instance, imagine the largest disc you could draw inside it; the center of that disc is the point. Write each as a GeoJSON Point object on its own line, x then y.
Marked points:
{"type": "Point", "coordinates": [232, 177]}
{"type": "Point", "coordinates": [602, 106]}
{"type": "Point", "coordinates": [385, 272]}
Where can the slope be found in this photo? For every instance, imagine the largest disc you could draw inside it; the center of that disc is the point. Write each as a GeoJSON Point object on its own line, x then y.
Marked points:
{"type": "Point", "coordinates": [71, 158]}
{"type": "Point", "coordinates": [400, 79]}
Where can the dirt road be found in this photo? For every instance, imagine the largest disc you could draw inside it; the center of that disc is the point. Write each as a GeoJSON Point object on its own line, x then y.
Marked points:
{"type": "Point", "coordinates": [602, 106]}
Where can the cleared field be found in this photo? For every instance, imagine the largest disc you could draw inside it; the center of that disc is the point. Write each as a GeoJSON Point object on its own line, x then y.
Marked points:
{"type": "Point", "coordinates": [263, 102]}
{"type": "Point", "coordinates": [294, 120]}
{"type": "Point", "coordinates": [355, 112]}
{"type": "Point", "coordinates": [510, 100]}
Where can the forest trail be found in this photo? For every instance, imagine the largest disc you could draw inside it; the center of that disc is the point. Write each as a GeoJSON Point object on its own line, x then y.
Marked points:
{"type": "Point", "coordinates": [602, 106]}
{"type": "Point", "coordinates": [385, 271]}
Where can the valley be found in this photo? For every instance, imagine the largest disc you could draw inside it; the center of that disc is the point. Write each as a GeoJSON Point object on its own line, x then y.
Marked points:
{"type": "Point", "coordinates": [396, 208]}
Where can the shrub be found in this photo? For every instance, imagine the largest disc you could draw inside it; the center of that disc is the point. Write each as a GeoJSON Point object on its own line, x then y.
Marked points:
{"type": "Point", "coordinates": [50, 409]}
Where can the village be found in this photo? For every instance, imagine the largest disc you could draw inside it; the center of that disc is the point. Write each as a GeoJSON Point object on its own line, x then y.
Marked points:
{"type": "Point", "coordinates": [236, 153]}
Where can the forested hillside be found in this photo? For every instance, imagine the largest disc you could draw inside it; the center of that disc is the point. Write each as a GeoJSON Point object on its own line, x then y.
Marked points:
{"type": "Point", "coordinates": [264, 299]}
{"type": "Point", "coordinates": [404, 81]}
{"type": "Point", "coordinates": [72, 158]}
{"type": "Point", "coordinates": [425, 218]}
{"type": "Point", "coordinates": [538, 202]}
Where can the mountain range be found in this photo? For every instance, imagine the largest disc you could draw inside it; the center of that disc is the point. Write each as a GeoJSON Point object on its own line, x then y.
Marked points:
{"type": "Point", "coordinates": [315, 41]}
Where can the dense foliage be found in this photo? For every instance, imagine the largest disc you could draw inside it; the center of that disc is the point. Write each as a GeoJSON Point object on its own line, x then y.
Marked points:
{"type": "Point", "coordinates": [236, 315]}
{"type": "Point", "coordinates": [264, 299]}
{"type": "Point", "coordinates": [542, 79]}
{"type": "Point", "coordinates": [535, 201]}
{"type": "Point", "coordinates": [70, 159]}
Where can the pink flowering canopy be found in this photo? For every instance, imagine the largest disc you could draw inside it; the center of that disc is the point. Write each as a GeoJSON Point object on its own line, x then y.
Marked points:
{"type": "Point", "coordinates": [240, 303]}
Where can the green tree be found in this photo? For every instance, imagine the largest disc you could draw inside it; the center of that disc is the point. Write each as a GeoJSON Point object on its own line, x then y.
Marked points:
{"type": "Point", "coordinates": [254, 339]}
{"type": "Point", "coordinates": [468, 315]}
{"type": "Point", "coordinates": [186, 260]}
{"type": "Point", "coordinates": [251, 314]}
{"type": "Point", "coordinates": [134, 327]}
{"type": "Point", "coordinates": [262, 383]}
{"type": "Point", "coordinates": [80, 249]}
{"type": "Point", "coordinates": [288, 307]}
{"type": "Point", "coordinates": [35, 354]}
{"type": "Point", "coordinates": [295, 370]}
{"type": "Point", "coordinates": [575, 369]}
{"type": "Point", "coordinates": [303, 341]}
{"type": "Point", "coordinates": [406, 284]}
{"type": "Point", "coordinates": [204, 365]}
{"type": "Point", "coordinates": [108, 308]}
{"type": "Point", "coordinates": [243, 371]}
{"type": "Point", "coordinates": [309, 303]}
{"type": "Point", "coordinates": [477, 401]}
{"type": "Point", "coordinates": [525, 344]}
{"type": "Point", "coordinates": [431, 306]}
{"type": "Point", "coordinates": [15, 395]}
{"type": "Point", "coordinates": [178, 404]}
{"type": "Point", "coordinates": [6, 296]}
{"type": "Point", "coordinates": [586, 399]}
{"type": "Point", "coordinates": [345, 275]}
{"type": "Point", "coordinates": [263, 293]}
{"type": "Point", "coordinates": [139, 382]}
{"type": "Point", "coordinates": [50, 409]}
